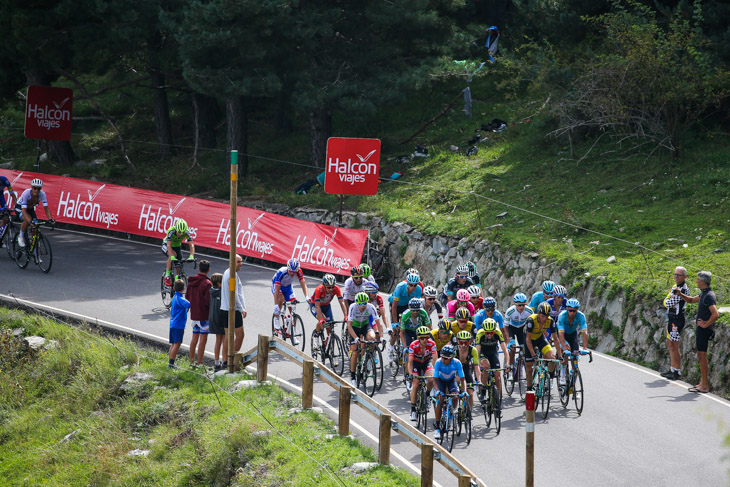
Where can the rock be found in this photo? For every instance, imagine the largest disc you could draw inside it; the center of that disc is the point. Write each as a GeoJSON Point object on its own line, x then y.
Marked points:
{"type": "Point", "coordinates": [138, 453]}
{"type": "Point", "coordinates": [607, 344]}
{"type": "Point", "coordinates": [97, 163]}
{"type": "Point", "coordinates": [611, 259]}
{"type": "Point", "coordinates": [139, 377]}
{"type": "Point", "coordinates": [18, 332]}
{"type": "Point", "coordinates": [70, 436]}
{"type": "Point", "coordinates": [35, 342]}
{"type": "Point", "coordinates": [7, 165]}
{"type": "Point", "coordinates": [248, 384]}
{"type": "Point", "coordinates": [360, 467]}
{"type": "Point", "coordinates": [502, 215]}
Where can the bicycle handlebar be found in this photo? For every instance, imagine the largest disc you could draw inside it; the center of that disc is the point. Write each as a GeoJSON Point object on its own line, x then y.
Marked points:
{"type": "Point", "coordinates": [580, 352]}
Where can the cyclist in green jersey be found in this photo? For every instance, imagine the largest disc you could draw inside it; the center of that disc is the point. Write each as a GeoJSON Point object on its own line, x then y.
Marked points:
{"type": "Point", "coordinates": [172, 245]}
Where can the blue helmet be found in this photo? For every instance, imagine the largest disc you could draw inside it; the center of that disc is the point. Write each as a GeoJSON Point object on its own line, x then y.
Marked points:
{"type": "Point", "coordinates": [447, 351]}
{"type": "Point", "coordinates": [489, 302]}
{"type": "Point", "coordinates": [573, 303]}
{"type": "Point", "coordinates": [547, 287]}
{"type": "Point", "coordinates": [413, 278]}
{"type": "Point", "coordinates": [519, 298]}
{"type": "Point", "coordinates": [292, 265]}
{"type": "Point", "coordinates": [414, 303]}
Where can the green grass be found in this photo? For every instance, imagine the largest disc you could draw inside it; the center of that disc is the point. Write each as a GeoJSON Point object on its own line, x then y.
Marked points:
{"type": "Point", "coordinates": [193, 439]}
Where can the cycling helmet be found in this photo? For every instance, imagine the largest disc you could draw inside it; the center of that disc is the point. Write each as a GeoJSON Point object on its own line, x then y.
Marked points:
{"type": "Point", "coordinates": [462, 269]}
{"type": "Point", "coordinates": [573, 303]}
{"type": "Point", "coordinates": [413, 278]}
{"type": "Point", "coordinates": [429, 292]}
{"type": "Point", "coordinates": [292, 265]}
{"type": "Point", "coordinates": [355, 271]}
{"type": "Point", "coordinates": [548, 286]}
{"type": "Point", "coordinates": [489, 325]}
{"type": "Point", "coordinates": [543, 308]}
{"type": "Point", "coordinates": [519, 298]}
{"type": "Point", "coordinates": [463, 335]}
{"type": "Point", "coordinates": [423, 331]}
{"type": "Point", "coordinates": [411, 270]}
{"type": "Point", "coordinates": [447, 351]}
{"type": "Point", "coordinates": [489, 302]}
{"type": "Point", "coordinates": [414, 303]}
{"type": "Point", "coordinates": [37, 183]}
{"type": "Point", "coordinates": [462, 295]}
{"type": "Point", "coordinates": [365, 270]}
{"type": "Point", "coordinates": [462, 314]}
{"type": "Point", "coordinates": [559, 290]}
{"type": "Point", "coordinates": [474, 291]}
{"type": "Point", "coordinates": [472, 268]}
{"type": "Point", "coordinates": [362, 298]}
{"type": "Point", "coordinates": [328, 280]}
{"type": "Point", "coordinates": [370, 287]}
{"type": "Point", "coordinates": [181, 226]}
{"type": "Point", "coordinates": [443, 325]}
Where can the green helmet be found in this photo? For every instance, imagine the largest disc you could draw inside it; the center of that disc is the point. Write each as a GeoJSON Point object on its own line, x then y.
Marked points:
{"type": "Point", "coordinates": [463, 335]}
{"type": "Point", "coordinates": [181, 226]}
{"type": "Point", "coordinates": [362, 298]}
{"type": "Point", "coordinates": [423, 331]}
{"type": "Point", "coordinates": [490, 325]}
{"type": "Point", "coordinates": [365, 270]}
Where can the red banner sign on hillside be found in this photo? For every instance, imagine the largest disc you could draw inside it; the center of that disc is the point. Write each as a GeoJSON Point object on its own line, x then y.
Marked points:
{"type": "Point", "coordinates": [140, 212]}
{"type": "Point", "coordinates": [48, 113]}
{"type": "Point", "coordinates": [352, 166]}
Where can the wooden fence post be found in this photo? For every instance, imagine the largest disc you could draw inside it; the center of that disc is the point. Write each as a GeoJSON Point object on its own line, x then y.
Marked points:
{"type": "Point", "coordinates": [464, 481]}
{"type": "Point", "coordinates": [343, 427]}
{"type": "Point", "coordinates": [426, 465]}
{"type": "Point", "coordinates": [262, 359]}
{"type": "Point", "coordinates": [384, 443]}
{"type": "Point", "coordinates": [307, 383]}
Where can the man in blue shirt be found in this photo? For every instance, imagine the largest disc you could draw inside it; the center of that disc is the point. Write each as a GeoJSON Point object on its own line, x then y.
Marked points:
{"type": "Point", "coordinates": [448, 377]}
{"type": "Point", "coordinates": [178, 320]}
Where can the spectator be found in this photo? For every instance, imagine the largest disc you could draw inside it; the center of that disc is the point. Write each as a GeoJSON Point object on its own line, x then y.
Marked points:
{"type": "Point", "coordinates": [198, 294]}
{"type": "Point", "coordinates": [675, 323]}
{"type": "Point", "coordinates": [707, 314]}
{"type": "Point", "coordinates": [239, 307]}
{"type": "Point", "coordinates": [216, 319]}
{"type": "Point", "coordinates": [178, 319]}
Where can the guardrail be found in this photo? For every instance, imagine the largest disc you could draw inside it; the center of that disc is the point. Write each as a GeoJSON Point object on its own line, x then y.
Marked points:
{"type": "Point", "coordinates": [311, 368]}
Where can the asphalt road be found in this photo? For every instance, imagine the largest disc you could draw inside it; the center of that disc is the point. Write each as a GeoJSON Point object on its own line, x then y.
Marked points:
{"type": "Point", "coordinates": [636, 427]}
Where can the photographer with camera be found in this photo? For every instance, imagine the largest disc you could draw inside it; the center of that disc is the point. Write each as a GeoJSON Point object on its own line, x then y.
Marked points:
{"type": "Point", "coordinates": [675, 322]}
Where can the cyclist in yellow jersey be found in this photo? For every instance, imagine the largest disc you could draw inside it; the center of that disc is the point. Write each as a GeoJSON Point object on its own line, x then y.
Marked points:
{"type": "Point", "coordinates": [489, 340]}
{"type": "Point", "coordinates": [535, 327]}
{"type": "Point", "coordinates": [462, 321]}
{"type": "Point", "coordinates": [442, 335]}
{"type": "Point", "coordinates": [469, 358]}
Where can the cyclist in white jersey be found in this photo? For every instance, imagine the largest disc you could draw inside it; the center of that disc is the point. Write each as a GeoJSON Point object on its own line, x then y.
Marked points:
{"type": "Point", "coordinates": [361, 319]}
{"type": "Point", "coordinates": [353, 285]}
{"type": "Point", "coordinates": [516, 317]}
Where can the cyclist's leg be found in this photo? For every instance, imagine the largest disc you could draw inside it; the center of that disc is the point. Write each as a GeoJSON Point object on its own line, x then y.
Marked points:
{"type": "Point", "coordinates": [529, 362]}
{"type": "Point", "coordinates": [493, 359]}
{"type": "Point", "coordinates": [278, 305]}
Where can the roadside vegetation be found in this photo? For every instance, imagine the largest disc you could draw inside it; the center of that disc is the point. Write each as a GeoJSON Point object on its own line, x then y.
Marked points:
{"type": "Point", "coordinates": [71, 414]}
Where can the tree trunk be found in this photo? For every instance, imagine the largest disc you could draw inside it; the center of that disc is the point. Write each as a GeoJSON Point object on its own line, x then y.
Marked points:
{"type": "Point", "coordinates": [237, 133]}
{"type": "Point", "coordinates": [320, 129]}
{"type": "Point", "coordinates": [208, 115]}
{"type": "Point", "coordinates": [162, 113]}
{"type": "Point", "coordinates": [284, 123]}
{"type": "Point", "coordinates": [58, 150]}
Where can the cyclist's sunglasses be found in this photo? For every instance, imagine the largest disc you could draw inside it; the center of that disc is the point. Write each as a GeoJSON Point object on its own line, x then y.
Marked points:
{"type": "Point", "coordinates": [430, 299]}
{"type": "Point", "coordinates": [464, 342]}
{"type": "Point", "coordinates": [520, 304]}
{"type": "Point", "coordinates": [572, 310]}
{"type": "Point", "coordinates": [461, 322]}
{"type": "Point", "coordinates": [329, 287]}
{"type": "Point", "coordinates": [357, 277]}
{"type": "Point", "coordinates": [462, 276]}
{"type": "Point", "coordinates": [411, 285]}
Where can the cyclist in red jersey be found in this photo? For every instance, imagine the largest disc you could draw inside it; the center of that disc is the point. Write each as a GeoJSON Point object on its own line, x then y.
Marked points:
{"type": "Point", "coordinates": [321, 300]}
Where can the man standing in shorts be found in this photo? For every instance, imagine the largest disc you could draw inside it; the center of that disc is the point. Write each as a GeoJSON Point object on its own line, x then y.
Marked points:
{"type": "Point", "coordinates": [238, 307]}
{"type": "Point", "coordinates": [198, 293]}
{"type": "Point", "coordinates": [707, 314]}
{"type": "Point", "coordinates": [675, 323]}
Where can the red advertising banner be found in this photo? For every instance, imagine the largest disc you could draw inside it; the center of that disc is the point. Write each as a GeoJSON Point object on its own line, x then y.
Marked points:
{"type": "Point", "coordinates": [353, 166]}
{"type": "Point", "coordinates": [140, 212]}
{"type": "Point", "coordinates": [48, 113]}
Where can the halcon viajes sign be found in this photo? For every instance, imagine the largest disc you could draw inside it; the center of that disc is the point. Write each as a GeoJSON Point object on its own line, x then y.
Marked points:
{"type": "Point", "coordinates": [48, 113]}
{"type": "Point", "coordinates": [352, 166]}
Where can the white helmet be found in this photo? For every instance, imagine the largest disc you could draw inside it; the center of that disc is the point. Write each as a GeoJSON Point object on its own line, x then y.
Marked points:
{"type": "Point", "coordinates": [37, 183]}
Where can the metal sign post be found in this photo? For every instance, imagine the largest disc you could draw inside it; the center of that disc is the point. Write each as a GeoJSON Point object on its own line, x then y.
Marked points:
{"type": "Point", "coordinates": [232, 261]}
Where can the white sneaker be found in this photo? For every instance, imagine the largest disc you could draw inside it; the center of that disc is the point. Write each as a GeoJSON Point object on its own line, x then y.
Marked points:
{"type": "Point", "coordinates": [437, 435]}
{"type": "Point", "coordinates": [409, 385]}
{"type": "Point", "coordinates": [414, 416]}
{"type": "Point", "coordinates": [21, 240]}
{"type": "Point", "coordinates": [353, 383]}
{"type": "Point", "coordinates": [295, 341]}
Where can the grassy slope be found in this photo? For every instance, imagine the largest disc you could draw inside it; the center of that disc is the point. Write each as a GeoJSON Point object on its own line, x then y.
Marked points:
{"type": "Point", "coordinates": [193, 440]}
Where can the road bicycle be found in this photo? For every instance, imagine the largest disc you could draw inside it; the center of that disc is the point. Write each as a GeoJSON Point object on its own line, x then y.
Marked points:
{"type": "Point", "coordinates": [574, 381]}
{"type": "Point", "coordinates": [383, 269]}
{"type": "Point", "coordinates": [516, 373]}
{"type": "Point", "coordinates": [542, 389]}
{"type": "Point", "coordinates": [327, 347]}
{"type": "Point", "coordinates": [463, 418]}
{"type": "Point", "coordinates": [37, 248]}
{"type": "Point", "coordinates": [423, 402]}
{"type": "Point", "coordinates": [447, 425]}
{"type": "Point", "coordinates": [491, 401]}
{"type": "Point", "coordinates": [292, 326]}
{"type": "Point", "coordinates": [366, 372]}
{"type": "Point", "coordinates": [396, 357]}
{"type": "Point", "coordinates": [178, 271]}
{"type": "Point", "coordinates": [7, 233]}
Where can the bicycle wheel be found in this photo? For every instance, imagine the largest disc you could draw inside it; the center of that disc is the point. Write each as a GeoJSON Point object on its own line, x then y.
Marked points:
{"type": "Point", "coordinates": [509, 381]}
{"type": "Point", "coordinates": [487, 406]}
{"type": "Point", "coordinates": [467, 423]}
{"type": "Point", "coordinates": [8, 239]}
{"type": "Point", "coordinates": [369, 377]}
{"type": "Point", "coordinates": [379, 366]}
{"type": "Point", "coordinates": [578, 391]}
{"type": "Point", "coordinates": [317, 350]}
{"type": "Point", "coordinates": [459, 418]}
{"type": "Point", "coordinates": [298, 333]}
{"type": "Point", "coordinates": [496, 407]}
{"type": "Point", "coordinates": [545, 394]}
{"type": "Point", "coordinates": [423, 410]}
{"type": "Point", "coordinates": [396, 359]}
{"type": "Point", "coordinates": [336, 355]}
{"type": "Point", "coordinates": [43, 254]}
{"type": "Point", "coordinates": [20, 256]}
{"type": "Point", "coordinates": [452, 433]}
{"type": "Point", "coordinates": [166, 292]}
{"type": "Point", "coordinates": [563, 389]}
{"type": "Point", "coordinates": [442, 426]}
{"type": "Point", "coordinates": [522, 378]}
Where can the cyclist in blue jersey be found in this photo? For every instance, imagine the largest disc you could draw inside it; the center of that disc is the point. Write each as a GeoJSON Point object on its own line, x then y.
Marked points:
{"type": "Point", "coordinates": [557, 302]}
{"type": "Point", "coordinates": [5, 205]}
{"type": "Point", "coordinates": [572, 325]}
{"type": "Point", "coordinates": [402, 294]}
{"type": "Point", "coordinates": [448, 375]}
{"type": "Point", "coordinates": [490, 311]}
{"type": "Point", "coordinates": [544, 295]}
{"type": "Point", "coordinates": [281, 288]}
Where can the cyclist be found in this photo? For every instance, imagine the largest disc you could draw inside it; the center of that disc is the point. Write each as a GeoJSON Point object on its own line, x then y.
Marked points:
{"type": "Point", "coordinates": [557, 302]}
{"type": "Point", "coordinates": [430, 304]}
{"type": "Point", "coordinates": [353, 285]}
{"type": "Point", "coordinates": [544, 295]}
{"type": "Point", "coordinates": [475, 297]}
{"type": "Point", "coordinates": [535, 327]}
{"type": "Point", "coordinates": [321, 300]}
{"type": "Point", "coordinates": [489, 340]}
{"type": "Point", "coordinates": [413, 270]}
{"type": "Point", "coordinates": [27, 202]}
{"type": "Point", "coordinates": [490, 311]}
{"type": "Point", "coordinates": [448, 379]}
{"type": "Point", "coordinates": [516, 316]}
{"type": "Point", "coordinates": [462, 301]}
{"type": "Point", "coordinates": [571, 325]}
{"type": "Point", "coordinates": [402, 294]}
{"type": "Point", "coordinates": [367, 273]}
{"type": "Point", "coordinates": [372, 288]}
{"type": "Point", "coordinates": [411, 320]}
{"type": "Point", "coordinates": [459, 281]}
{"type": "Point", "coordinates": [421, 357]}
{"type": "Point", "coordinates": [361, 319]}
{"type": "Point", "coordinates": [281, 289]}
{"type": "Point", "coordinates": [442, 335]}
{"type": "Point", "coordinates": [469, 358]}
{"type": "Point", "coordinates": [178, 233]}
{"type": "Point", "coordinates": [5, 205]}
{"type": "Point", "coordinates": [473, 274]}
{"type": "Point", "coordinates": [462, 322]}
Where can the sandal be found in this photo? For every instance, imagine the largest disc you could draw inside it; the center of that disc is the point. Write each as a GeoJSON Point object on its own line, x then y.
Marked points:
{"type": "Point", "coordinates": [697, 390]}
